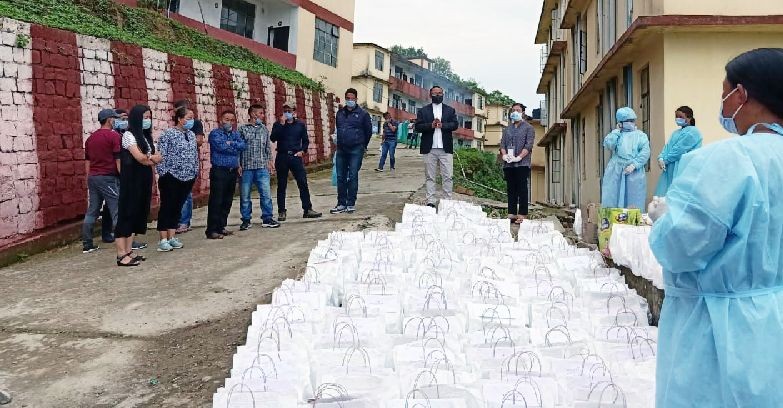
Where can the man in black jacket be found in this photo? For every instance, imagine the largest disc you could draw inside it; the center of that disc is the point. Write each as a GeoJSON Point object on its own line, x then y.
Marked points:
{"type": "Point", "coordinates": [292, 143]}
{"type": "Point", "coordinates": [436, 122]}
{"type": "Point", "coordinates": [354, 129]}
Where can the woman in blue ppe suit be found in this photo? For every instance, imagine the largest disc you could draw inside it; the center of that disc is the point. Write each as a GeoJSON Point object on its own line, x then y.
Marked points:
{"type": "Point", "coordinates": [683, 140]}
{"type": "Point", "coordinates": [625, 182]}
{"type": "Point", "coordinates": [721, 247]}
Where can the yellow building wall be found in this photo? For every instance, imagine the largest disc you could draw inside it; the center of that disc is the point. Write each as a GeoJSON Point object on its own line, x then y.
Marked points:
{"type": "Point", "coordinates": [364, 62]}
{"type": "Point", "coordinates": [364, 86]}
{"type": "Point", "coordinates": [695, 72]}
{"type": "Point", "coordinates": [337, 79]}
{"type": "Point", "coordinates": [723, 7]}
{"type": "Point", "coordinates": [343, 8]}
{"type": "Point", "coordinates": [493, 134]}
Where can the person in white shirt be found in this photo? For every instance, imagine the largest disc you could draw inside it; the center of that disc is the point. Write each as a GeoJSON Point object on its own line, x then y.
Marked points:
{"type": "Point", "coordinates": [436, 122]}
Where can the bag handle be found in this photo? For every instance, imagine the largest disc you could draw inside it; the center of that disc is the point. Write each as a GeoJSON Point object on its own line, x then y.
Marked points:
{"type": "Point", "coordinates": [349, 353]}
{"type": "Point", "coordinates": [240, 385]}
{"type": "Point", "coordinates": [528, 356]}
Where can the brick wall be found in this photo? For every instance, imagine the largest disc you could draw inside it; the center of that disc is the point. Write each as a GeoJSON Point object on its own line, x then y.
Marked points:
{"type": "Point", "coordinates": [52, 89]}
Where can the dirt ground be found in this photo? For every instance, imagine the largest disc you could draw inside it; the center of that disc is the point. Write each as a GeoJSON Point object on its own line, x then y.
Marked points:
{"type": "Point", "coordinates": [76, 331]}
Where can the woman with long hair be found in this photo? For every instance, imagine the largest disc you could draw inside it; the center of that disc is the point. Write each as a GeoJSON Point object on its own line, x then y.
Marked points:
{"type": "Point", "coordinates": [136, 161]}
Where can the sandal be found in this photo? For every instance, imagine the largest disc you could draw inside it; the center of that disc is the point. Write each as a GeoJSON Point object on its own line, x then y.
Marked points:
{"type": "Point", "coordinates": [138, 257]}
{"type": "Point", "coordinates": [133, 261]}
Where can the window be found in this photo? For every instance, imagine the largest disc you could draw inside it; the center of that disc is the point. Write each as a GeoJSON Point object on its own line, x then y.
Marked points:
{"type": "Point", "coordinates": [645, 99]}
{"type": "Point", "coordinates": [598, 25]}
{"type": "Point", "coordinates": [628, 84]}
{"type": "Point", "coordinates": [398, 72]}
{"type": "Point", "coordinates": [599, 133]}
{"type": "Point", "coordinates": [480, 125]}
{"type": "Point", "coordinates": [576, 132]}
{"type": "Point", "coordinates": [412, 106]}
{"type": "Point", "coordinates": [238, 17]}
{"type": "Point", "coordinates": [481, 102]}
{"type": "Point", "coordinates": [396, 101]}
{"type": "Point", "coordinates": [608, 26]}
{"type": "Point", "coordinates": [418, 80]}
{"type": "Point", "coordinates": [174, 6]}
{"type": "Point", "coordinates": [326, 38]}
{"type": "Point", "coordinates": [379, 57]}
{"type": "Point", "coordinates": [628, 13]}
{"type": "Point", "coordinates": [377, 92]}
{"type": "Point", "coordinates": [556, 161]}
{"type": "Point", "coordinates": [583, 137]}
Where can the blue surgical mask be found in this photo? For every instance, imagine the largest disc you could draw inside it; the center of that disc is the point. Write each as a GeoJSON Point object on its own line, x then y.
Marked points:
{"type": "Point", "coordinates": [189, 124]}
{"type": "Point", "coordinates": [259, 122]}
{"type": "Point", "coordinates": [628, 126]}
{"type": "Point", "coordinates": [681, 122]}
{"type": "Point", "coordinates": [350, 103]}
{"type": "Point", "coordinates": [227, 127]}
{"type": "Point", "coordinates": [728, 123]}
{"type": "Point", "coordinates": [516, 116]}
{"type": "Point", "coordinates": [288, 115]}
{"type": "Point", "coordinates": [120, 124]}
{"type": "Point", "coordinates": [146, 124]}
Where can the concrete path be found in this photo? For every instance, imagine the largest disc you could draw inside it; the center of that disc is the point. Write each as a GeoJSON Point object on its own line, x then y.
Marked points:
{"type": "Point", "coordinates": [77, 331]}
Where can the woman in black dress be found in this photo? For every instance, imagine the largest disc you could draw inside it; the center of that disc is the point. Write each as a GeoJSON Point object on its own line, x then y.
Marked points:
{"type": "Point", "coordinates": [136, 161]}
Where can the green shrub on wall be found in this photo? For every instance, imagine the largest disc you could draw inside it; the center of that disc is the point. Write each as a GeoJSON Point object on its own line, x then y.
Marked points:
{"type": "Point", "coordinates": [147, 28]}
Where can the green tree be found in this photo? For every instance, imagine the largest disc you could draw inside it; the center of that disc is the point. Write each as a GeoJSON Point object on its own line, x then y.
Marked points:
{"type": "Point", "coordinates": [499, 98]}
{"type": "Point", "coordinates": [408, 52]}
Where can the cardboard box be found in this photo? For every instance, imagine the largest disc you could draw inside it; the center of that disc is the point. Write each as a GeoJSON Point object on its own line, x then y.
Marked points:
{"type": "Point", "coordinates": [611, 216]}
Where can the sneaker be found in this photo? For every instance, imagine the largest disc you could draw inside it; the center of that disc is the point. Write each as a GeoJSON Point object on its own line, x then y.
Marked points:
{"type": "Point", "coordinates": [164, 246]}
{"type": "Point", "coordinates": [246, 225]}
{"type": "Point", "coordinates": [88, 248]}
{"type": "Point", "coordinates": [282, 216]}
{"type": "Point", "coordinates": [311, 214]}
{"type": "Point", "coordinates": [350, 209]}
{"type": "Point", "coordinates": [338, 210]}
{"type": "Point", "coordinates": [379, 170]}
{"type": "Point", "coordinates": [270, 223]}
{"type": "Point", "coordinates": [176, 243]}
{"type": "Point", "coordinates": [138, 245]}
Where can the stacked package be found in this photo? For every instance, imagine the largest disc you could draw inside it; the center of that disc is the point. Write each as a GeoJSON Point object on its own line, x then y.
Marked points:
{"type": "Point", "coordinates": [448, 311]}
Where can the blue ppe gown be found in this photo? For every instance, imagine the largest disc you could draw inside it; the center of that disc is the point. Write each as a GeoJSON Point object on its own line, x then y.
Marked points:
{"type": "Point", "coordinates": [721, 248]}
{"type": "Point", "coordinates": [619, 190]}
{"type": "Point", "coordinates": [683, 140]}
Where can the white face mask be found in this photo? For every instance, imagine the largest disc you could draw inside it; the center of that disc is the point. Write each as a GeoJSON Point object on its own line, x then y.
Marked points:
{"type": "Point", "coordinates": [728, 123]}
{"type": "Point", "coordinates": [516, 116]}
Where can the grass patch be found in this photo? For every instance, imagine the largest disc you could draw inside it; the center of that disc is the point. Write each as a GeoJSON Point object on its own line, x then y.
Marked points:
{"type": "Point", "coordinates": [483, 174]}
{"type": "Point", "coordinates": [147, 28]}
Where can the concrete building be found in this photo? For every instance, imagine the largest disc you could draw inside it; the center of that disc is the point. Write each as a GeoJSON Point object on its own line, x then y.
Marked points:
{"type": "Point", "coordinates": [651, 55]}
{"type": "Point", "coordinates": [497, 120]}
{"type": "Point", "coordinates": [370, 77]}
{"type": "Point", "coordinates": [315, 37]}
{"type": "Point", "coordinates": [388, 82]}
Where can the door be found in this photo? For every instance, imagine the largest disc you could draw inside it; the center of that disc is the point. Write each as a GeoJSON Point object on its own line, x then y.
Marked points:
{"type": "Point", "coordinates": [278, 37]}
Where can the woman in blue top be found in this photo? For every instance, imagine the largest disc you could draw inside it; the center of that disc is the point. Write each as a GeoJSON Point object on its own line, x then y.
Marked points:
{"type": "Point", "coordinates": [720, 243]}
{"type": "Point", "coordinates": [685, 139]}
{"type": "Point", "coordinates": [625, 182]}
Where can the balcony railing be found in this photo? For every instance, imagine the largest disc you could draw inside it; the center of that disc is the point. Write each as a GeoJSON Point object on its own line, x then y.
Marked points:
{"type": "Point", "coordinates": [465, 134]}
{"type": "Point", "coordinates": [462, 108]}
{"type": "Point", "coordinates": [409, 89]}
{"type": "Point", "coordinates": [399, 114]}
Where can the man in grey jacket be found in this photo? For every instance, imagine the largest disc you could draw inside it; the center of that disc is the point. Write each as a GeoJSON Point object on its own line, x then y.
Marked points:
{"type": "Point", "coordinates": [516, 146]}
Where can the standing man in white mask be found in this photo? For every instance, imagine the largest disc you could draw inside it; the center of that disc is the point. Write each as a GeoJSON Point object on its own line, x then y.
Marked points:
{"type": "Point", "coordinates": [436, 122]}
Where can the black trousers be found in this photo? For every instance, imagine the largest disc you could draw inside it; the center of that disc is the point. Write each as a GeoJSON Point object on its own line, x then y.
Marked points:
{"type": "Point", "coordinates": [284, 163]}
{"type": "Point", "coordinates": [222, 185]}
{"type": "Point", "coordinates": [516, 187]}
{"type": "Point", "coordinates": [173, 193]}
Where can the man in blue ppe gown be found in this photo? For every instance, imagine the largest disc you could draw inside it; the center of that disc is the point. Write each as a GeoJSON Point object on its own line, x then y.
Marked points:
{"type": "Point", "coordinates": [685, 139]}
{"type": "Point", "coordinates": [721, 248]}
{"type": "Point", "coordinates": [625, 182]}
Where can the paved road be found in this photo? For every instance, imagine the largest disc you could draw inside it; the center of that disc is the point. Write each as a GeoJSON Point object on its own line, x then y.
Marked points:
{"type": "Point", "coordinates": [76, 331]}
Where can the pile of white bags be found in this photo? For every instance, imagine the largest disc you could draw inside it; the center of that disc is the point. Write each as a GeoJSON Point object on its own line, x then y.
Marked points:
{"type": "Point", "coordinates": [448, 311]}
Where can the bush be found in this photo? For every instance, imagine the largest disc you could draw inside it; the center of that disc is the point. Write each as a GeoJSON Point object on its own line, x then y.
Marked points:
{"type": "Point", "coordinates": [483, 173]}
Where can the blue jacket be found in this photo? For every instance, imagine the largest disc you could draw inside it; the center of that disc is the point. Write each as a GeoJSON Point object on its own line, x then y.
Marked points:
{"type": "Point", "coordinates": [221, 152]}
{"type": "Point", "coordinates": [353, 127]}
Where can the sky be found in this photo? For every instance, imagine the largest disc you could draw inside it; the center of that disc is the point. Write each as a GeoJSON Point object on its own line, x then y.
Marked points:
{"type": "Point", "coordinates": [490, 41]}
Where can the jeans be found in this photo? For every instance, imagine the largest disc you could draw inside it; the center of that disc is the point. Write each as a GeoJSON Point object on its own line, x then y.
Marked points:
{"type": "Point", "coordinates": [259, 177]}
{"type": "Point", "coordinates": [107, 227]}
{"type": "Point", "coordinates": [222, 184]}
{"type": "Point", "coordinates": [187, 211]}
{"type": "Point", "coordinates": [173, 193]}
{"type": "Point", "coordinates": [284, 163]}
{"type": "Point", "coordinates": [387, 147]}
{"type": "Point", "coordinates": [101, 189]}
{"type": "Point", "coordinates": [349, 161]}
{"type": "Point", "coordinates": [516, 187]}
